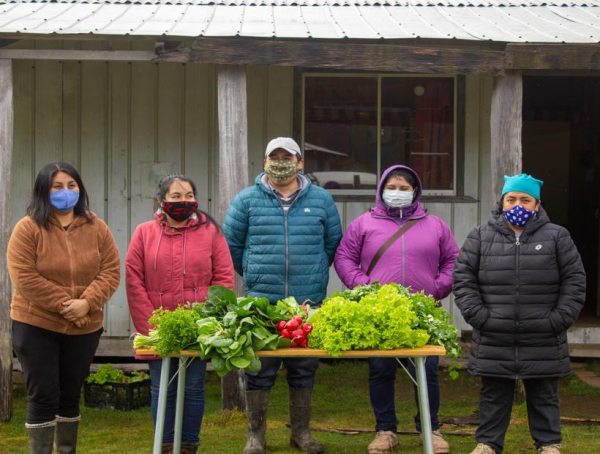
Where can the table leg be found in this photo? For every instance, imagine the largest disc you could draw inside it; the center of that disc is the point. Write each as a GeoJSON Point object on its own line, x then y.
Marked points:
{"type": "Point", "coordinates": [179, 405]}
{"type": "Point", "coordinates": [162, 405]}
{"type": "Point", "coordinates": [424, 406]}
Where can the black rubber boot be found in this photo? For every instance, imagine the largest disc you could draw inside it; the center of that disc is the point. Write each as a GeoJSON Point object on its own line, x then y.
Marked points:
{"type": "Point", "coordinates": [41, 437]}
{"type": "Point", "coordinates": [257, 403]}
{"type": "Point", "coordinates": [300, 406]}
{"type": "Point", "coordinates": [65, 436]}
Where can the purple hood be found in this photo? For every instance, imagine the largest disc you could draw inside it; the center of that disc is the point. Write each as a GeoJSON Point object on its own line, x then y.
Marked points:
{"type": "Point", "coordinates": [414, 210]}
{"type": "Point", "coordinates": [422, 259]}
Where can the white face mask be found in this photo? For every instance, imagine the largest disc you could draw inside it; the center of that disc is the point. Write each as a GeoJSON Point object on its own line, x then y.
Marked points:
{"type": "Point", "coordinates": [397, 199]}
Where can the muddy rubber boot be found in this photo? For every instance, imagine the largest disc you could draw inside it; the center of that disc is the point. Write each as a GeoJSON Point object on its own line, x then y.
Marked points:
{"type": "Point", "coordinates": [300, 406]}
{"type": "Point", "coordinates": [65, 434]}
{"type": "Point", "coordinates": [41, 437]}
{"type": "Point", "coordinates": [257, 403]}
{"type": "Point", "coordinates": [189, 448]}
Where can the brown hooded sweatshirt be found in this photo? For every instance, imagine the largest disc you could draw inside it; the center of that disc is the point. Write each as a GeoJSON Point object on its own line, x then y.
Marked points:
{"type": "Point", "coordinates": [51, 266]}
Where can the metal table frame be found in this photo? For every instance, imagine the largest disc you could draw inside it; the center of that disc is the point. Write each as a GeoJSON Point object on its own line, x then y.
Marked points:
{"type": "Point", "coordinates": [418, 354]}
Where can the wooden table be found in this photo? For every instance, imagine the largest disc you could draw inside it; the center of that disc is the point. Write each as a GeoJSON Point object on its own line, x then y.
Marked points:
{"type": "Point", "coordinates": [419, 355]}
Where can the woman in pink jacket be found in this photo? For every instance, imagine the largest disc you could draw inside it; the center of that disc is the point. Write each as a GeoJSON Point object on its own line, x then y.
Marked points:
{"type": "Point", "coordinates": [173, 260]}
{"type": "Point", "coordinates": [422, 259]}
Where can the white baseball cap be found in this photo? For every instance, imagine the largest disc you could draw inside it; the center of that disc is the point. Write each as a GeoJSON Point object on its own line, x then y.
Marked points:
{"type": "Point", "coordinates": [287, 143]}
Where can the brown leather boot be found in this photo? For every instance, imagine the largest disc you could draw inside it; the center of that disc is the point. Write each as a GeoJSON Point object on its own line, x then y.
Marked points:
{"type": "Point", "coordinates": [166, 448]}
{"type": "Point", "coordinates": [189, 448]}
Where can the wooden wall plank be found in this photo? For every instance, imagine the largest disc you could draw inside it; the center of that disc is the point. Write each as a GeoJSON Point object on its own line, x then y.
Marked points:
{"type": "Point", "coordinates": [280, 102]}
{"type": "Point", "coordinates": [506, 125]}
{"type": "Point", "coordinates": [6, 153]}
{"type": "Point", "coordinates": [143, 141]}
{"type": "Point", "coordinates": [485, 154]}
{"type": "Point", "coordinates": [258, 89]}
{"type": "Point", "coordinates": [23, 163]}
{"type": "Point", "coordinates": [48, 109]}
{"type": "Point", "coordinates": [199, 115]}
{"type": "Point", "coordinates": [94, 131]}
{"type": "Point", "coordinates": [118, 187]}
{"type": "Point", "coordinates": [171, 83]}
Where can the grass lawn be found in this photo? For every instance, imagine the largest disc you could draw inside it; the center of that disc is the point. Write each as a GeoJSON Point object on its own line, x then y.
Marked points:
{"type": "Point", "coordinates": [340, 401]}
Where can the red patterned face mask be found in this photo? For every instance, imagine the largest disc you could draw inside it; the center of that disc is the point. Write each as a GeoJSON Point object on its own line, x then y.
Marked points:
{"type": "Point", "coordinates": [180, 211]}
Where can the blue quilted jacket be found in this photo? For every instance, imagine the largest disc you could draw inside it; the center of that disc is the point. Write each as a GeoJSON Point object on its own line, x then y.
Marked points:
{"type": "Point", "coordinates": [281, 255]}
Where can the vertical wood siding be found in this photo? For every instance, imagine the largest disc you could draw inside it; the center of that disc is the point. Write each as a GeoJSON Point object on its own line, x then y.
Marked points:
{"type": "Point", "coordinates": [113, 120]}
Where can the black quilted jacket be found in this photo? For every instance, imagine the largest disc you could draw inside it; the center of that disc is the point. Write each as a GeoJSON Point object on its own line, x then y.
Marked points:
{"type": "Point", "coordinates": [520, 296]}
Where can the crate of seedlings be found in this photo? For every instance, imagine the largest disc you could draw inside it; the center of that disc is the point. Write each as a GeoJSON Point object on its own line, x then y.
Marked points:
{"type": "Point", "coordinates": [116, 390]}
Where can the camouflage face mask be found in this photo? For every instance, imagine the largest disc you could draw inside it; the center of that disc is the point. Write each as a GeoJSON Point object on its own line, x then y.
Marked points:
{"type": "Point", "coordinates": [280, 171]}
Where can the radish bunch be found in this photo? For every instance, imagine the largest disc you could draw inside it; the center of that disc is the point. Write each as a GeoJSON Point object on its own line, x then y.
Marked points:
{"type": "Point", "coordinates": [296, 330]}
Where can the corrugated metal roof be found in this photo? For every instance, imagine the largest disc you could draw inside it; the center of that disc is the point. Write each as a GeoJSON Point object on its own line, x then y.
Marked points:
{"type": "Point", "coordinates": [576, 21]}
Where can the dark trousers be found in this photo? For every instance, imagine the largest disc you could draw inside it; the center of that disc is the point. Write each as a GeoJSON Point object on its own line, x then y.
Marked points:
{"type": "Point", "coordinates": [495, 406]}
{"type": "Point", "coordinates": [55, 366]}
{"type": "Point", "coordinates": [382, 379]}
{"type": "Point", "coordinates": [300, 373]}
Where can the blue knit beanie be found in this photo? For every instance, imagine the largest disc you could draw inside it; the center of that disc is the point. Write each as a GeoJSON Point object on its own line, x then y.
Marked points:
{"type": "Point", "coordinates": [522, 183]}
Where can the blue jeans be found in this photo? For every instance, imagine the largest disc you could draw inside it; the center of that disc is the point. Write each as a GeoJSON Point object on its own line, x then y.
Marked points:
{"type": "Point", "coordinates": [193, 409]}
{"type": "Point", "coordinates": [300, 373]}
{"type": "Point", "coordinates": [382, 377]}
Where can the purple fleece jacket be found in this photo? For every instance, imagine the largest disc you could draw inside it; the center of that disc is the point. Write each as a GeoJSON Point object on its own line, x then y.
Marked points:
{"type": "Point", "coordinates": [422, 259]}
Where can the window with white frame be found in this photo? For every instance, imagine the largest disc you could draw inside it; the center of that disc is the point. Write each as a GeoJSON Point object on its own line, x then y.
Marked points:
{"type": "Point", "coordinates": [355, 126]}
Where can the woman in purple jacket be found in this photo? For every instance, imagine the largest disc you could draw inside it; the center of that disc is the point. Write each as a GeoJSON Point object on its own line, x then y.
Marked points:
{"type": "Point", "coordinates": [423, 259]}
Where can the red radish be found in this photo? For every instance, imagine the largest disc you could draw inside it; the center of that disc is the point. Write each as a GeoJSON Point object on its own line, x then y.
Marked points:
{"type": "Point", "coordinates": [298, 334]}
{"type": "Point", "coordinates": [286, 333]}
{"type": "Point", "coordinates": [292, 325]}
{"type": "Point", "coordinates": [307, 328]}
{"type": "Point", "coordinates": [281, 325]}
{"type": "Point", "coordinates": [295, 343]}
{"type": "Point", "coordinates": [304, 343]}
{"type": "Point", "coordinates": [298, 319]}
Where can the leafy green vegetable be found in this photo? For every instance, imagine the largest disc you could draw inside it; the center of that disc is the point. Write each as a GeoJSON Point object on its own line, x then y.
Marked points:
{"type": "Point", "coordinates": [106, 374]}
{"type": "Point", "coordinates": [382, 320]}
{"type": "Point", "coordinates": [383, 317]}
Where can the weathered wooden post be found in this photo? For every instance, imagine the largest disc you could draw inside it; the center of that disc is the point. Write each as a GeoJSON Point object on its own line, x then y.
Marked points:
{"type": "Point", "coordinates": [233, 177]}
{"type": "Point", "coordinates": [507, 148]}
{"type": "Point", "coordinates": [506, 126]}
{"type": "Point", "coordinates": [6, 149]}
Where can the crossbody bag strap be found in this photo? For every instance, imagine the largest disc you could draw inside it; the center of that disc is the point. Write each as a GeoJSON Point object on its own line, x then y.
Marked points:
{"type": "Point", "coordinates": [391, 240]}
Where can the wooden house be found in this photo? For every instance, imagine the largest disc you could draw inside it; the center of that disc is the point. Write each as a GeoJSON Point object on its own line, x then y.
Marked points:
{"type": "Point", "coordinates": [463, 91]}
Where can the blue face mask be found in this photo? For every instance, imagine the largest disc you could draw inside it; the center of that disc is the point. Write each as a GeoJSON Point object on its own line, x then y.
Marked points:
{"type": "Point", "coordinates": [519, 216]}
{"type": "Point", "coordinates": [64, 200]}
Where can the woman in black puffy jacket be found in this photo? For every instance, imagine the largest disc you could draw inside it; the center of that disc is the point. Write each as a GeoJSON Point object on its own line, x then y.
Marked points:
{"type": "Point", "coordinates": [519, 282]}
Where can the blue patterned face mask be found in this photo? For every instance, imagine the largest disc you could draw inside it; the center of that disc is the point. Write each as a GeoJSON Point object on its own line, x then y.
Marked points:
{"type": "Point", "coordinates": [518, 216]}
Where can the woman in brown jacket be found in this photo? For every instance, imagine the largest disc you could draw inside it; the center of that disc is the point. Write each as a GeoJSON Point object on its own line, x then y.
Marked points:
{"type": "Point", "coordinates": [64, 267]}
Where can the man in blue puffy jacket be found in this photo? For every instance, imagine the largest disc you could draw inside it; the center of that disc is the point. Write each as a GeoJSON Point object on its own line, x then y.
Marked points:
{"type": "Point", "coordinates": [283, 233]}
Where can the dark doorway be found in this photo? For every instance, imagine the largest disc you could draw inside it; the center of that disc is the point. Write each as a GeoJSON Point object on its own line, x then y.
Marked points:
{"type": "Point", "coordinates": [561, 145]}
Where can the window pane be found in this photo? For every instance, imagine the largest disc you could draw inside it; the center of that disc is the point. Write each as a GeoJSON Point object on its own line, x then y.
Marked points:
{"type": "Point", "coordinates": [417, 128]}
{"type": "Point", "coordinates": [340, 131]}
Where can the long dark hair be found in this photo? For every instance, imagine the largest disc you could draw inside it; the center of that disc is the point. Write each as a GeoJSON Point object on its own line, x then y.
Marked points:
{"type": "Point", "coordinates": [40, 209]}
{"type": "Point", "coordinates": [165, 184]}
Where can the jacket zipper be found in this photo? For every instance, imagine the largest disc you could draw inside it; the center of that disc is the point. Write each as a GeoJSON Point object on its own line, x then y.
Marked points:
{"type": "Point", "coordinates": [517, 244]}
{"type": "Point", "coordinates": [287, 243]}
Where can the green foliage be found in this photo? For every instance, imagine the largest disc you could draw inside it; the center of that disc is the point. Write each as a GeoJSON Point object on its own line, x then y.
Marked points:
{"type": "Point", "coordinates": [106, 374]}
{"type": "Point", "coordinates": [383, 317]}
{"type": "Point", "coordinates": [225, 330]}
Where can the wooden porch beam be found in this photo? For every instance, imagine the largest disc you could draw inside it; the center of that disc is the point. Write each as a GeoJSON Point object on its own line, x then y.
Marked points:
{"type": "Point", "coordinates": [553, 56]}
{"type": "Point", "coordinates": [233, 177]}
{"type": "Point", "coordinates": [51, 54]}
{"type": "Point", "coordinates": [336, 55]}
{"type": "Point", "coordinates": [506, 125]}
{"type": "Point", "coordinates": [6, 150]}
